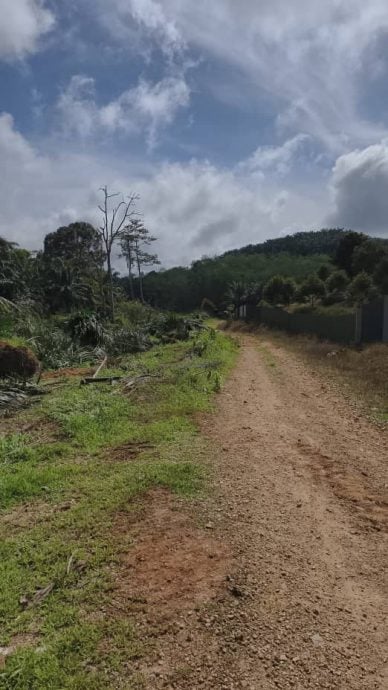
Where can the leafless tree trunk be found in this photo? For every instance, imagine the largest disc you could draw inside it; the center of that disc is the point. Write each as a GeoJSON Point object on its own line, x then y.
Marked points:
{"type": "Point", "coordinates": [137, 254]}
{"type": "Point", "coordinates": [128, 252]}
{"type": "Point", "coordinates": [130, 277]}
{"type": "Point", "coordinates": [114, 221]}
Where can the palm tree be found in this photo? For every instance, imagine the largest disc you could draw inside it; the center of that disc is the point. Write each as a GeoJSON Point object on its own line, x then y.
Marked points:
{"type": "Point", "coordinates": [236, 294]}
{"type": "Point", "coordinates": [66, 290]}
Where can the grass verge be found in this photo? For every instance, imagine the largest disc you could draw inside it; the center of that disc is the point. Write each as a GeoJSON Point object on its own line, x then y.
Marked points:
{"type": "Point", "coordinates": [54, 575]}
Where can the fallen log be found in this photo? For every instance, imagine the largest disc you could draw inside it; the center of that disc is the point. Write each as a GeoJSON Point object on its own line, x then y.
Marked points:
{"type": "Point", "coordinates": [100, 379]}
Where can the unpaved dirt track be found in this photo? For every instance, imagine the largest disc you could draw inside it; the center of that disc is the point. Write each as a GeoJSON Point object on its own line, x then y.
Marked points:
{"type": "Point", "coordinates": [299, 482]}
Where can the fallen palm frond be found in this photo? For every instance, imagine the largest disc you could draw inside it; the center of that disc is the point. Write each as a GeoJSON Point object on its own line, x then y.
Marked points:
{"type": "Point", "coordinates": [6, 306]}
{"type": "Point", "coordinates": [14, 395]}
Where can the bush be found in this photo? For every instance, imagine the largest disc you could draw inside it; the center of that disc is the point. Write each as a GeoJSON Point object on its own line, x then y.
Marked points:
{"type": "Point", "coordinates": [279, 290]}
{"type": "Point", "coordinates": [51, 344]}
{"type": "Point", "coordinates": [125, 340]}
{"type": "Point", "coordinates": [17, 362]}
{"type": "Point", "coordinates": [312, 289]}
{"type": "Point", "coordinates": [134, 313]}
{"type": "Point", "coordinates": [87, 329]}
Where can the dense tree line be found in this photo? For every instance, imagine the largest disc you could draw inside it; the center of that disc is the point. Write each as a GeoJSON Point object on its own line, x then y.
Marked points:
{"type": "Point", "coordinates": [70, 272]}
{"type": "Point", "coordinates": [184, 289]}
{"type": "Point", "coordinates": [358, 272]}
{"type": "Point", "coordinates": [73, 273]}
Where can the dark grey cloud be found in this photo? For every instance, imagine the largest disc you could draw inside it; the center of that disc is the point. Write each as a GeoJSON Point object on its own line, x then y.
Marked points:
{"type": "Point", "coordinates": [212, 232]}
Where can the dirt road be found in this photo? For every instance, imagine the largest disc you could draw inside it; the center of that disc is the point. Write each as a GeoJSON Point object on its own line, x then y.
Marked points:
{"type": "Point", "coordinates": [299, 481]}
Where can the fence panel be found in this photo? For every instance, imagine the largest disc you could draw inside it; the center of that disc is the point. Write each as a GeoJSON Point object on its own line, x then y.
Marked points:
{"type": "Point", "coordinates": [372, 321]}
{"type": "Point", "coordinates": [340, 329]}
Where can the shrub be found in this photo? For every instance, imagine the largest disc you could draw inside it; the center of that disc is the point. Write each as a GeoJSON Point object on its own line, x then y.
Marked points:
{"type": "Point", "coordinates": [360, 288]}
{"type": "Point", "coordinates": [17, 362]}
{"type": "Point", "coordinates": [125, 340]}
{"type": "Point", "coordinates": [337, 282]}
{"type": "Point", "coordinates": [312, 288]}
{"type": "Point", "coordinates": [134, 313]}
{"type": "Point", "coordinates": [53, 347]}
{"type": "Point", "coordinates": [279, 290]}
{"type": "Point", "coordinates": [87, 329]}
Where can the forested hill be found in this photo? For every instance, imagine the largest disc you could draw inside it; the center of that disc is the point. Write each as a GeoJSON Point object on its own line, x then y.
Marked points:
{"type": "Point", "coordinates": [301, 243]}
{"type": "Point", "coordinates": [296, 256]}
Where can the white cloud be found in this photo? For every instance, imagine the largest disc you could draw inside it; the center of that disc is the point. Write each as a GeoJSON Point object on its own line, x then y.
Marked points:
{"type": "Point", "coordinates": [308, 54]}
{"type": "Point", "coordinates": [138, 21]}
{"type": "Point", "coordinates": [360, 190]}
{"type": "Point", "coordinates": [146, 107]}
{"type": "Point", "coordinates": [22, 24]}
{"type": "Point", "coordinates": [194, 208]}
{"type": "Point", "coordinates": [277, 160]}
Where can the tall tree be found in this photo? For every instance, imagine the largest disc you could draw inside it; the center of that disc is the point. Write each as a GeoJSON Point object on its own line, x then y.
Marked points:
{"type": "Point", "coordinates": [128, 253]}
{"type": "Point", "coordinates": [346, 248]}
{"type": "Point", "coordinates": [139, 239]}
{"type": "Point", "coordinates": [381, 275]}
{"type": "Point", "coordinates": [65, 287]}
{"type": "Point", "coordinates": [115, 218]}
{"type": "Point", "coordinates": [15, 271]}
{"type": "Point", "coordinates": [236, 294]}
{"type": "Point", "coordinates": [78, 243]}
{"type": "Point", "coordinates": [367, 256]}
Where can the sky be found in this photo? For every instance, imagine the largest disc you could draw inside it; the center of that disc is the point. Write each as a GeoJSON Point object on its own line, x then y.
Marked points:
{"type": "Point", "coordinates": [234, 122]}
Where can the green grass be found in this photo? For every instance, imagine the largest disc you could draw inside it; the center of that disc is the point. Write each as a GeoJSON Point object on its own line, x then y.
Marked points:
{"type": "Point", "coordinates": [70, 641]}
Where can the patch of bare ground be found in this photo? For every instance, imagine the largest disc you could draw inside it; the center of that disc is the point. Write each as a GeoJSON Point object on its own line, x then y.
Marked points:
{"type": "Point", "coordinates": [299, 505]}
{"type": "Point", "coordinates": [130, 450]}
{"type": "Point", "coordinates": [67, 373]}
{"type": "Point", "coordinates": [172, 570]}
{"type": "Point", "coordinates": [39, 430]}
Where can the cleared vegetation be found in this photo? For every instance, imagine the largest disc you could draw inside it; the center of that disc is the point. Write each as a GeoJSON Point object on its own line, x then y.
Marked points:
{"type": "Point", "coordinates": [68, 466]}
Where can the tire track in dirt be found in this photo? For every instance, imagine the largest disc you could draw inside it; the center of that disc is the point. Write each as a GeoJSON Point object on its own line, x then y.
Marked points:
{"type": "Point", "coordinates": [299, 484]}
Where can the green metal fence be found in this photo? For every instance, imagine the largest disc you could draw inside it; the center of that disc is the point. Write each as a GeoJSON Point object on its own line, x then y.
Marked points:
{"type": "Point", "coordinates": [339, 328]}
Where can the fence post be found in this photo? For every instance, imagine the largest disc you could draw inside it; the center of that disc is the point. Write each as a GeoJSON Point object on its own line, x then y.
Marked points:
{"type": "Point", "coordinates": [385, 319]}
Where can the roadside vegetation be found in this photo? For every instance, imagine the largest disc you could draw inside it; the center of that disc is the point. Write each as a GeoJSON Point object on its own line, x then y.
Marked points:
{"type": "Point", "coordinates": [69, 464]}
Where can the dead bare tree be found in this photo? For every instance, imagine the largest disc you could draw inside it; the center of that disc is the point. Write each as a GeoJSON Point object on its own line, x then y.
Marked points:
{"type": "Point", "coordinates": [114, 220]}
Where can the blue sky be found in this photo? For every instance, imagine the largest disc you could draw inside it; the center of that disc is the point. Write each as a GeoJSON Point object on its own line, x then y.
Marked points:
{"type": "Point", "coordinates": [234, 122]}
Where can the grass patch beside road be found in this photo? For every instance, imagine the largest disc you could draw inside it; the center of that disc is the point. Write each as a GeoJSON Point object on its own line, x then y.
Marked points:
{"type": "Point", "coordinates": [66, 639]}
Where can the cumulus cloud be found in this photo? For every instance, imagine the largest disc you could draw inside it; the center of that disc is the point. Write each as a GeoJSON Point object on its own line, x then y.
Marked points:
{"type": "Point", "coordinates": [23, 22]}
{"type": "Point", "coordinates": [359, 186]}
{"type": "Point", "coordinates": [146, 107]}
{"type": "Point", "coordinates": [194, 208]}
